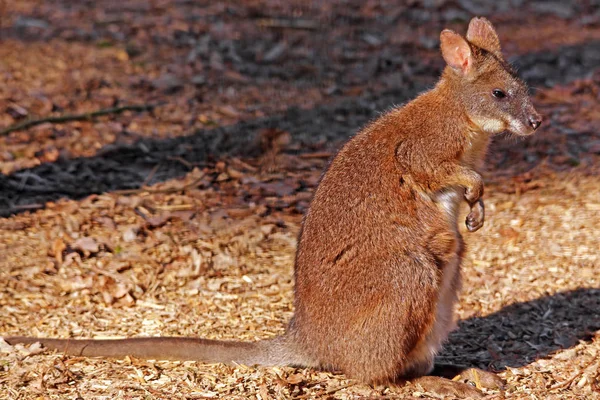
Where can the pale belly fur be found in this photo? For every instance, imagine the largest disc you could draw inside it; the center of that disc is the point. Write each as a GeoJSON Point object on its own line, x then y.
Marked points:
{"type": "Point", "coordinates": [423, 356]}
{"type": "Point", "coordinates": [450, 201]}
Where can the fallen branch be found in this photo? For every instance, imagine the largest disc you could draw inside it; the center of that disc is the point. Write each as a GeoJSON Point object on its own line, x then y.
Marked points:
{"type": "Point", "coordinates": [569, 381]}
{"type": "Point", "coordinates": [325, 393]}
{"type": "Point", "coordinates": [318, 154]}
{"type": "Point", "coordinates": [21, 207]}
{"type": "Point", "coordinates": [75, 117]}
{"type": "Point", "coordinates": [277, 23]}
{"type": "Point", "coordinates": [125, 192]}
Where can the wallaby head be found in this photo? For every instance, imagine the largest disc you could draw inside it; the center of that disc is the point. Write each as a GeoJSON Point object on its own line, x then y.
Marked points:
{"type": "Point", "coordinates": [495, 99]}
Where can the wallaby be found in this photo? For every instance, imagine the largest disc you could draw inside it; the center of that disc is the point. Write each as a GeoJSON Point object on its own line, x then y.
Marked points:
{"type": "Point", "coordinates": [377, 269]}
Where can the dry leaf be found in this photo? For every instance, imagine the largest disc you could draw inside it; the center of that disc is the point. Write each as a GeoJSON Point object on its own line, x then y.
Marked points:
{"type": "Point", "coordinates": [86, 244]}
{"type": "Point", "coordinates": [58, 246]}
{"type": "Point", "coordinates": [295, 379]}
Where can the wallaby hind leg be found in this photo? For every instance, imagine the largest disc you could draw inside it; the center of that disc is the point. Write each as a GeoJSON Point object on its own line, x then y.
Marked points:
{"type": "Point", "coordinates": [422, 357]}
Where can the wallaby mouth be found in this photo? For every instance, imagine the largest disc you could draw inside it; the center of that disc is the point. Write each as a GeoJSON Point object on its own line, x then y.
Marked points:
{"type": "Point", "coordinates": [527, 127]}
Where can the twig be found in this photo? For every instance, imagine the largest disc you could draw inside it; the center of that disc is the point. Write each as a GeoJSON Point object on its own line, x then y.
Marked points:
{"type": "Point", "coordinates": [165, 190]}
{"type": "Point", "coordinates": [318, 154]}
{"type": "Point", "coordinates": [567, 382]}
{"type": "Point", "coordinates": [151, 174]}
{"type": "Point", "coordinates": [325, 392]}
{"type": "Point", "coordinates": [75, 117]}
{"type": "Point", "coordinates": [181, 160]}
{"type": "Point", "coordinates": [174, 207]}
{"type": "Point", "coordinates": [45, 189]}
{"type": "Point", "coordinates": [19, 208]}
{"type": "Point", "coordinates": [288, 23]}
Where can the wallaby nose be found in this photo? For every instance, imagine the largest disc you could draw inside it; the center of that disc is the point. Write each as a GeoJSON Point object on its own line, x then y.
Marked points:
{"type": "Point", "coordinates": [535, 120]}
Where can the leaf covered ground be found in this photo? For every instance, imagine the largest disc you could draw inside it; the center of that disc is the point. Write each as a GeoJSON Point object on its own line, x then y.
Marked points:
{"type": "Point", "coordinates": [183, 220]}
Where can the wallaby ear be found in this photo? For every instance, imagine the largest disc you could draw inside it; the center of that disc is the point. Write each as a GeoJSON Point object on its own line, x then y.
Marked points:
{"type": "Point", "coordinates": [482, 34]}
{"type": "Point", "coordinates": [456, 51]}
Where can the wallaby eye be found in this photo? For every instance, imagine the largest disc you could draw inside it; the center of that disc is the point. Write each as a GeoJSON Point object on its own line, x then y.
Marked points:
{"type": "Point", "coordinates": [499, 94]}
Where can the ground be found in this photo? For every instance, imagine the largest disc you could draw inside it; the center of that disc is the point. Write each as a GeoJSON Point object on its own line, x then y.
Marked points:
{"type": "Point", "coordinates": [183, 220]}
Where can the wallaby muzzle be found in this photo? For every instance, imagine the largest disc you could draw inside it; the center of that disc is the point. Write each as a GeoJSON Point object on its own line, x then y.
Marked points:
{"type": "Point", "coordinates": [534, 119]}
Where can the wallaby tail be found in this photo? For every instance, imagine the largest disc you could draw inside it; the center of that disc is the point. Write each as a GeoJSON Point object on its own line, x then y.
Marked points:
{"type": "Point", "coordinates": [270, 352]}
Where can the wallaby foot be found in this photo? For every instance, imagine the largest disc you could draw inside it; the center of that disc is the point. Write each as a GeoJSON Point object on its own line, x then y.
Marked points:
{"type": "Point", "coordinates": [457, 381]}
{"type": "Point", "coordinates": [476, 216]}
{"type": "Point", "coordinates": [474, 376]}
{"type": "Point", "coordinates": [447, 388]}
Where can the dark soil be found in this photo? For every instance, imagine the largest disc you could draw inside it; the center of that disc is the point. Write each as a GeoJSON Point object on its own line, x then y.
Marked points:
{"type": "Point", "coordinates": [398, 78]}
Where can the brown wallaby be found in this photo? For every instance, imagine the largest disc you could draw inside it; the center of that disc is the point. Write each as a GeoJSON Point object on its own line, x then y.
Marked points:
{"type": "Point", "coordinates": [378, 264]}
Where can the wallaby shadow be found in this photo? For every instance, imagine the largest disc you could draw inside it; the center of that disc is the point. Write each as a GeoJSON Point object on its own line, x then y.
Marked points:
{"type": "Point", "coordinates": [128, 166]}
{"type": "Point", "coordinates": [523, 332]}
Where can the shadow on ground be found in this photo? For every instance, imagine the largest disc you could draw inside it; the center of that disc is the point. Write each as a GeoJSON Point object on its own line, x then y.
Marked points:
{"type": "Point", "coordinates": [128, 166]}
{"type": "Point", "coordinates": [520, 333]}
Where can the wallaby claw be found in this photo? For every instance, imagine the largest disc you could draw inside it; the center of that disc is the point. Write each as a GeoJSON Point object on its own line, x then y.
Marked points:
{"type": "Point", "coordinates": [476, 216]}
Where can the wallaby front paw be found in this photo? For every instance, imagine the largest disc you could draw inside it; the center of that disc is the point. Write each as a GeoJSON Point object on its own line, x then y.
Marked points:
{"type": "Point", "coordinates": [476, 216]}
{"type": "Point", "coordinates": [475, 192]}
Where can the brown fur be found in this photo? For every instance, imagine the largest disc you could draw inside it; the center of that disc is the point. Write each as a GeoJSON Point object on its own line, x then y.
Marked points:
{"type": "Point", "coordinates": [378, 263]}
